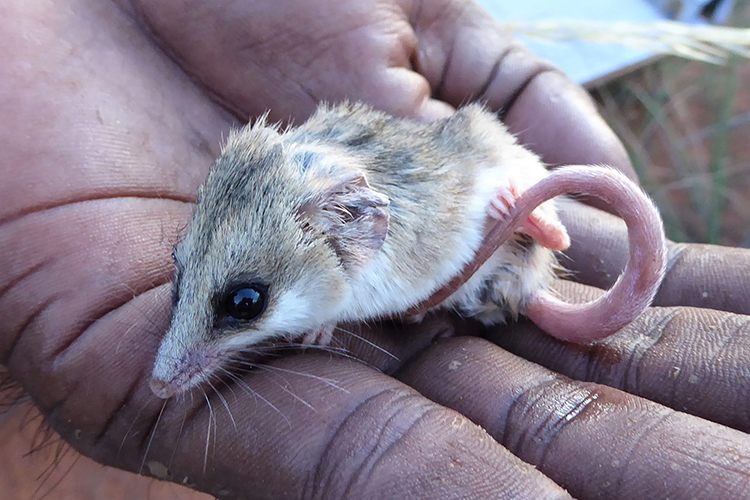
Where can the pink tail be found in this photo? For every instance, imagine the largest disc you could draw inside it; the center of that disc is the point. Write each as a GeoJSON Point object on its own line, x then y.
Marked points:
{"type": "Point", "coordinates": [635, 288]}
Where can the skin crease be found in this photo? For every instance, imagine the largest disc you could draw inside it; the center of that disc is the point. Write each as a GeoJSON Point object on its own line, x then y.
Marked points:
{"type": "Point", "coordinates": [113, 113]}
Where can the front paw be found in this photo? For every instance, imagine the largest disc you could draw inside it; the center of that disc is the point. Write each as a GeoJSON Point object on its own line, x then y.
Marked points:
{"type": "Point", "coordinates": [321, 336]}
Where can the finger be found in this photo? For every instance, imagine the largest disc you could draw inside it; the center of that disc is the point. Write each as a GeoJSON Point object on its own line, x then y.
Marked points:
{"type": "Point", "coordinates": [705, 276]}
{"type": "Point", "coordinates": [85, 358]}
{"type": "Point", "coordinates": [389, 345]}
{"type": "Point", "coordinates": [307, 426]}
{"type": "Point", "coordinates": [465, 55]}
{"type": "Point", "coordinates": [82, 343]}
{"type": "Point", "coordinates": [300, 423]}
{"type": "Point", "coordinates": [595, 441]}
{"type": "Point", "coordinates": [111, 119]}
{"type": "Point", "coordinates": [693, 360]}
{"type": "Point", "coordinates": [82, 309]}
{"type": "Point", "coordinates": [332, 51]}
{"type": "Point", "coordinates": [27, 447]}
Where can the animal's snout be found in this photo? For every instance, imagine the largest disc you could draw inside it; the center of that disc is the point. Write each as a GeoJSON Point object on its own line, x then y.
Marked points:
{"type": "Point", "coordinates": [162, 388]}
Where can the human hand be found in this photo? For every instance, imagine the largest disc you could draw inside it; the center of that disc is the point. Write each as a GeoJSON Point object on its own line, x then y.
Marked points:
{"type": "Point", "coordinates": [106, 141]}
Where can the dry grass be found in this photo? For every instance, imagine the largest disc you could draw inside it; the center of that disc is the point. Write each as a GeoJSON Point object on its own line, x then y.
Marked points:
{"type": "Point", "coordinates": [687, 129]}
{"type": "Point", "coordinates": [713, 44]}
{"type": "Point", "coordinates": [686, 124]}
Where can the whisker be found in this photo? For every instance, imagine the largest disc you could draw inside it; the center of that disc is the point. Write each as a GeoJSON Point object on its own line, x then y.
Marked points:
{"type": "Point", "coordinates": [298, 398]}
{"type": "Point", "coordinates": [151, 438]}
{"type": "Point", "coordinates": [339, 351]}
{"type": "Point", "coordinates": [297, 346]}
{"type": "Point", "coordinates": [372, 344]}
{"type": "Point", "coordinates": [242, 383]}
{"type": "Point", "coordinates": [127, 433]}
{"type": "Point", "coordinates": [224, 401]}
{"type": "Point", "coordinates": [229, 388]}
{"type": "Point", "coordinates": [208, 434]}
{"type": "Point", "coordinates": [283, 388]}
{"type": "Point", "coordinates": [326, 381]}
{"type": "Point", "coordinates": [177, 441]}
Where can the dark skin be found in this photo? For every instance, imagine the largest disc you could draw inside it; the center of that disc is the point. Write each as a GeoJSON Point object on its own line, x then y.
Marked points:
{"type": "Point", "coordinates": [112, 114]}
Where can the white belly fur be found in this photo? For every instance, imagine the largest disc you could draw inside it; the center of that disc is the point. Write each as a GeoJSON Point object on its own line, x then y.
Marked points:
{"type": "Point", "coordinates": [380, 292]}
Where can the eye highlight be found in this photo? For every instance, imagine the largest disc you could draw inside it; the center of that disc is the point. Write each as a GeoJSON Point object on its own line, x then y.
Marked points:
{"type": "Point", "coordinates": [244, 302]}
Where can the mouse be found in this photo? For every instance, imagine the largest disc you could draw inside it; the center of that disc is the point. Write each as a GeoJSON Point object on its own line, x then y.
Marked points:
{"type": "Point", "coordinates": [356, 215]}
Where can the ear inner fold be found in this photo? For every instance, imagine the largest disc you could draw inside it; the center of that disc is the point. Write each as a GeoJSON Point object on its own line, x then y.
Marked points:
{"type": "Point", "coordinates": [352, 215]}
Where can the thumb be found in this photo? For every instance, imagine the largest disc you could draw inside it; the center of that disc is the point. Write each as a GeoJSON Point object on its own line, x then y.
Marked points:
{"type": "Point", "coordinates": [466, 55]}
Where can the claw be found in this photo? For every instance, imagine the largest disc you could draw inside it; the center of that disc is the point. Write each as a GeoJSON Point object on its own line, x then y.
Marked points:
{"type": "Point", "coordinates": [321, 336]}
{"type": "Point", "coordinates": [546, 231]}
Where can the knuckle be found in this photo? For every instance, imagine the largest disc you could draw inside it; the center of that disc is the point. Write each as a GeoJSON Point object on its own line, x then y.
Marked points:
{"type": "Point", "coordinates": [639, 342]}
{"type": "Point", "coordinates": [539, 416]}
{"type": "Point", "coordinates": [356, 456]}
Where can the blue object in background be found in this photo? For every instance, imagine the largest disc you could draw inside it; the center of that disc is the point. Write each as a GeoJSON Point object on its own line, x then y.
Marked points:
{"type": "Point", "coordinates": [590, 62]}
{"type": "Point", "coordinates": [694, 10]}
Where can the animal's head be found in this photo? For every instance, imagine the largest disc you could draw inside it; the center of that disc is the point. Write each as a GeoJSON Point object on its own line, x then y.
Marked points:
{"type": "Point", "coordinates": [278, 233]}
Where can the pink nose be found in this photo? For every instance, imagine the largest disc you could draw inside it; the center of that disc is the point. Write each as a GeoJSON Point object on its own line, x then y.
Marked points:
{"type": "Point", "coordinates": [161, 388]}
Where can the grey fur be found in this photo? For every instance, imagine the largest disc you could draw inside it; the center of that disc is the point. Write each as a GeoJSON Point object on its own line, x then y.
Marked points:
{"type": "Point", "coordinates": [315, 204]}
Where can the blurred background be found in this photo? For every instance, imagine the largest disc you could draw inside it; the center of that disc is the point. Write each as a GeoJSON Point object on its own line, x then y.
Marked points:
{"type": "Point", "coordinates": [686, 126]}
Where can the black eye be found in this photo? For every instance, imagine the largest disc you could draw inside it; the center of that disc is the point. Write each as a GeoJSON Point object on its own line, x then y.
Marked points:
{"type": "Point", "coordinates": [245, 303]}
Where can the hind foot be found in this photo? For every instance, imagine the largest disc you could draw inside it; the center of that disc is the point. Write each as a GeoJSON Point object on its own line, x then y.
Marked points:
{"type": "Point", "coordinates": [544, 229]}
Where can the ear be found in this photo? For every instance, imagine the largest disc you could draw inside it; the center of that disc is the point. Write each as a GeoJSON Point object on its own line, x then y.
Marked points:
{"type": "Point", "coordinates": [352, 215]}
